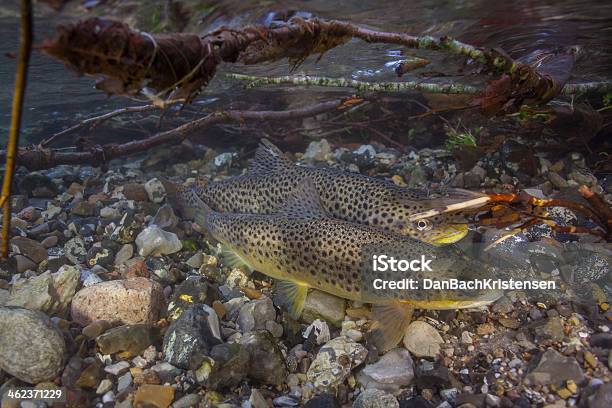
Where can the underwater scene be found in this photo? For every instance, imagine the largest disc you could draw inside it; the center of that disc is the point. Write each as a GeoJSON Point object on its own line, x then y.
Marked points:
{"type": "Point", "coordinates": [305, 203]}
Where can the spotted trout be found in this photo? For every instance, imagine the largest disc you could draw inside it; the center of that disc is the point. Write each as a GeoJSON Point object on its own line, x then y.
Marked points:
{"type": "Point", "coordinates": [347, 196]}
{"type": "Point", "coordinates": [304, 247]}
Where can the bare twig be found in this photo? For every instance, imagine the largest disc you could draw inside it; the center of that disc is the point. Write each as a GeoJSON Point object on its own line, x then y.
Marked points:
{"type": "Point", "coordinates": [96, 120]}
{"type": "Point", "coordinates": [42, 158]}
{"type": "Point", "coordinates": [25, 48]}
{"type": "Point", "coordinates": [600, 206]}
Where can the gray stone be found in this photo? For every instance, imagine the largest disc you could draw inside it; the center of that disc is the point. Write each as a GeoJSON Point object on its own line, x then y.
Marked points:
{"type": "Point", "coordinates": [418, 177]}
{"type": "Point", "coordinates": [165, 218]}
{"type": "Point", "coordinates": [393, 371]}
{"type": "Point", "coordinates": [154, 240]}
{"type": "Point", "coordinates": [108, 398]}
{"type": "Point", "coordinates": [373, 398]}
{"type": "Point", "coordinates": [285, 401]}
{"type": "Point", "coordinates": [266, 364]}
{"type": "Point", "coordinates": [131, 339]}
{"type": "Point", "coordinates": [32, 348]}
{"type": "Point", "coordinates": [155, 190]}
{"type": "Point", "coordinates": [319, 331]}
{"type": "Point", "coordinates": [50, 241]}
{"type": "Point", "coordinates": [105, 386]}
{"type": "Point", "coordinates": [422, 339]}
{"type": "Point", "coordinates": [583, 177]}
{"type": "Point", "coordinates": [124, 253]}
{"type": "Point", "coordinates": [33, 293]}
{"type": "Point", "coordinates": [187, 401]}
{"type": "Point", "coordinates": [550, 329]}
{"type": "Point", "coordinates": [557, 180]}
{"type": "Point", "coordinates": [23, 263]}
{"type": "Point", "coordinates": [83, 209]}
{"type": "Point", "coordinates": [471, 180]}
{"type": "Point", "coordinates": [254, 314]}
{"type": "Point", "coordinates": [192, 290]}
{"type": "Point", "coordinates": [276, 329]}
{"type": "Point", "coordinates": [124, 382]}
{"type": "Point", "coordinates": [110, 213]}
{"type": "Point", "coordinates": [257, 400]}
{"type": "Point", "coordinates": [602, 397]}
{"type": "Point", "coordinates": [98, 255]}
{"type": "Point", "coordinates": [325, 400]}
{"type": "Point", "coordinates": [317, 151]}
{"type": "Point", "coordinates": [30, 248]}
{"type": "Point", "coordinates": [196, 260]}
{"type": "Point", "coordinates": [555, 369]}
{"type": "Point", "coordinates": [166, 371]}
{"type": "Point", "coordinates": [117, 369]}
{"type": "Point", "coordinates": [89, 278]}
{"type": "Point", "coordinates": [224, 160]}
{"type": "Point", "coordinates": [322, 305]}
{"type": "Point", "coordinates": [191, 336]}
{"type": "Point", "coordinates": [334, 362]}
{"type": "Point", "coordinates": [75, 250]}
{"type": "Point", "coordinates": [365, 154]}
{"type": "Point", "coordinates": [226, 367]}
{"type": "Point", "coordinates": [49, 293]}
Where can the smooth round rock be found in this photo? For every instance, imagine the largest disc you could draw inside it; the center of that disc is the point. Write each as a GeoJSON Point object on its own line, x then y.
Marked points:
{"type": "Point", "coordinates": [32, 348]}
{"type": "Point", "coordinates": [422, 339]}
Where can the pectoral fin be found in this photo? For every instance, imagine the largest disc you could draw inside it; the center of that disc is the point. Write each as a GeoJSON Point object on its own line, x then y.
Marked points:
{"type": "Point", "coordinates": [293, 295]}
{"type": "Point", "coordinates": [232, 260]}
{"type": "Point", "coordinates": [390, 323]}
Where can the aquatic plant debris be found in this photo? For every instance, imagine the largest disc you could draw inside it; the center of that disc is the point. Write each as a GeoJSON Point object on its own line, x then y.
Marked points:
{"type": "Point", "coordinates": [179, 65]}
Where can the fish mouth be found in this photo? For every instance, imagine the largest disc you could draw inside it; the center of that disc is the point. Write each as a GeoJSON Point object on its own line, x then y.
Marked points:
{"type": "Point", "coordinates": [447, 234]}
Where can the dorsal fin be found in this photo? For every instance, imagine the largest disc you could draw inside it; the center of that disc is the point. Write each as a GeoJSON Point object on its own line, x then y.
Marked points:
{"type": "Point", "coordinates": [269, 158]}
{"type": "Point", "coordinates": [304, 202]}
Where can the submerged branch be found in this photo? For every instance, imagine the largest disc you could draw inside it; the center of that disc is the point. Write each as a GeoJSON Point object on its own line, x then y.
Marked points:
{"type": "Point", "coordinates": [180, 65]}
{"type": "Point", "coordinates": [305, 80]}
{"type": "Point", "coordinates": [96, 120]}
{"type": "Point", "coordinates": [37, 157]}
{"type": "Point", "coordinates": [425, 87]}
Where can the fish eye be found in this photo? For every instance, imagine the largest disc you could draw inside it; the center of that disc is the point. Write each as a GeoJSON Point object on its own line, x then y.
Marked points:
{"type": "Point", "coordinates": [423, 225]}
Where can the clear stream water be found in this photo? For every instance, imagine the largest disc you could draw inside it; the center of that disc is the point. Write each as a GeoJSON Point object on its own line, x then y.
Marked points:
{"type": "Point", "coordinates": [57, 98]}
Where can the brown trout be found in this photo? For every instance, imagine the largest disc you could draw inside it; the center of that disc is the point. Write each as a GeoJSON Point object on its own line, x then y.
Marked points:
{"type": "Point", "coordinates": [304, 247]}
{"type": "Point", "coordinates": [347, 196]}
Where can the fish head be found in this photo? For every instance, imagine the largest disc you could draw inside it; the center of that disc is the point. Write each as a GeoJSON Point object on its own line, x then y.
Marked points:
{"type": "Point", "coordinates": [427, 218]}
{"type": "Point", "coordinates": [438, 230]}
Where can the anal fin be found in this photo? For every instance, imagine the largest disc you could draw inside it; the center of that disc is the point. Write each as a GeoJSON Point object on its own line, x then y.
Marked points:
{"type": "Point", "coordinates": [390, 323]}
{"type": "Point", "coordinates": [293, 295]}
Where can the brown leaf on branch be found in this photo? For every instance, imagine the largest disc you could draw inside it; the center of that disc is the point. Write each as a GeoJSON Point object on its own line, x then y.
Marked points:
{"type": "Point", "coordinates": [176, 65]}
{"type": "Point", "coordinates": [526, 85]}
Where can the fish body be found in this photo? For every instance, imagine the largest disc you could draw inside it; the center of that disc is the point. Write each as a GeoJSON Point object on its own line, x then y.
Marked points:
{"type": "Point", "coordinates": [344, 195]}
{"type": "Point", "coordinates": [302, 245]}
